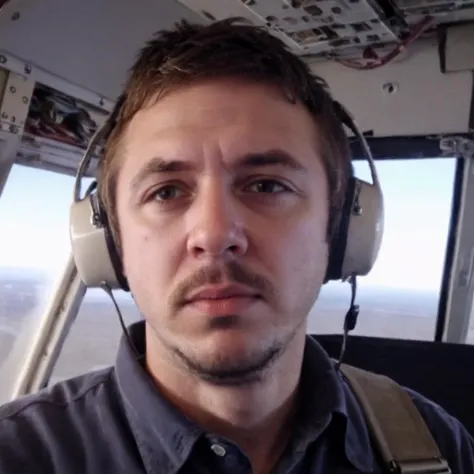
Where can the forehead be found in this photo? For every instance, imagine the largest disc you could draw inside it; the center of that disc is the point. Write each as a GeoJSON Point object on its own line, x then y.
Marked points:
{"type": "Point", "coordinates": [235, 117]}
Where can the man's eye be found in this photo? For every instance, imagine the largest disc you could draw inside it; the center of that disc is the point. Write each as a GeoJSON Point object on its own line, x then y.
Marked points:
{"type": "Point", "coordinates": [167, 193]}
{"type": "Point", "coordinates": [267, 186]}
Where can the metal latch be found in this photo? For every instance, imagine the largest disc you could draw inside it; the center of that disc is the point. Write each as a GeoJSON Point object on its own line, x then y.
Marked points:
{"type": "Point", "coordinates": [456, 145]}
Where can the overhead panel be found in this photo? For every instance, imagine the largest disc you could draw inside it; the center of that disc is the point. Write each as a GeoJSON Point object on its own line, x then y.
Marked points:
{"type": "Point", "coordinates": [314, 27]}
{"type": "Point", "coordinates": [342, 28]}
{"type": "Point", "coordinates": [444, 11]}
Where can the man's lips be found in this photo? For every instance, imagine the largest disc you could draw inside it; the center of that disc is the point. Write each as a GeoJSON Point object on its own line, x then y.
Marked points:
{"type": "Point", "coordinates": [221, 292]}
{"type": "Point", "coordinates": [222, 300]}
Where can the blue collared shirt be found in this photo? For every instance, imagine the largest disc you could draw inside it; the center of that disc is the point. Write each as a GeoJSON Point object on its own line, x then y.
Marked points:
{"type": "Point", "coordinates": [115, 420]}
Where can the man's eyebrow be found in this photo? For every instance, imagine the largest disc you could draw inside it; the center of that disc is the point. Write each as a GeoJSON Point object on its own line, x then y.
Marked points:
{"type": "Point", "coordinates": [269, 158]}
{"type": "Point", "coordinates": [158, 165]}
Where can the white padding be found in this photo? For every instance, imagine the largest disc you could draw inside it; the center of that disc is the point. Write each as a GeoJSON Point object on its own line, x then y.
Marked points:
{"type": "Point", "coordinates": [89, 247]}
{"type": "Point", "coordinates": [365, 231]}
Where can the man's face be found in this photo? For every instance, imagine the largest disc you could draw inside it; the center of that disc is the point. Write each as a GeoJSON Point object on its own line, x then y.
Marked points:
{"type": "Point", "coordinates": [222, 204]}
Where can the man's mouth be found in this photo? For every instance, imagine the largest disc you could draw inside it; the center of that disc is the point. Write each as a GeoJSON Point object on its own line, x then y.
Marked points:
{"type": "Point", "coordinates": [222, 300]}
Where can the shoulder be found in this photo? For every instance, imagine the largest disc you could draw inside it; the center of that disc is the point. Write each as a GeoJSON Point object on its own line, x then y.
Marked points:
{"type": "Point", "coordinates": [454, 441]}
{"type": "Point", "coordinates": [62, 397]}
{"type": "Point", "coordinates": [39, 429]}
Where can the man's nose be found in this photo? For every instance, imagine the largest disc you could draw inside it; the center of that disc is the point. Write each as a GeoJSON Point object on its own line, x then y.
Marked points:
{"type": "Point", "coordinates": [217, 229]}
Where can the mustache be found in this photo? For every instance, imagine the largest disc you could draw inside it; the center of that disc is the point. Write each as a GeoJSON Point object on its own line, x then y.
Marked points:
{"type": "Point", "coordinates": [230, 272]}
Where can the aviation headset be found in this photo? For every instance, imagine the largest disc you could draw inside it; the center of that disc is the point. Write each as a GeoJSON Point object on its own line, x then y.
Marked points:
{"type": "Point", "coordinates": [353, 249]}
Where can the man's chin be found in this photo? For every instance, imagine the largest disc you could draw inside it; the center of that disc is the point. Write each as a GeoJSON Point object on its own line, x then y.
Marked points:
{"type": "Point", "coordinates": [228, 361]}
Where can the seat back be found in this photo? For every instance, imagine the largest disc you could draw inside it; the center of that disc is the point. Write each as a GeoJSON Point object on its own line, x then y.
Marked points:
{"type": "Point", "coordinates": [442, 372]}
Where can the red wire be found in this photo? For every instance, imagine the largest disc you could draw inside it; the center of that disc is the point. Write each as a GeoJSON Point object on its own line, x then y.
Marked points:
{"type": "Point", "coordinates": [418, 30]}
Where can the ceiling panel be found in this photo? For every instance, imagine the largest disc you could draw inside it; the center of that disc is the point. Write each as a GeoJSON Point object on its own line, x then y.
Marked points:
{"type": "Point", "coordinates": [408, 97]}
{"type": "Point", "coordinates": [91, 43]}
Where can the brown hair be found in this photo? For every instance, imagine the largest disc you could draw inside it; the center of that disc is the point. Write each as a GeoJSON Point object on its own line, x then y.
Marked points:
{"type": "Point", "coordinates": [227, 48]}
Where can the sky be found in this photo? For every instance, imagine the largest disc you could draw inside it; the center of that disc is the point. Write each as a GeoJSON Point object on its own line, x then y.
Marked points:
{"type": "Point", "coordinates": [34, 213]}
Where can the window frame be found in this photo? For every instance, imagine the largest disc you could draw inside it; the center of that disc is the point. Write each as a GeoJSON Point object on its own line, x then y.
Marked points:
{"type": "Point", "coordinates": [452, 321]}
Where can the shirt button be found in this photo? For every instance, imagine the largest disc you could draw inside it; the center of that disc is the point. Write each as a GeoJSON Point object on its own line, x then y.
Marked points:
{"type": "Point", "coordinates": [218, 450]}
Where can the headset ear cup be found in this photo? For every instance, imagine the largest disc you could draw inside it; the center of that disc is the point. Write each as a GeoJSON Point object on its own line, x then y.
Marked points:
{"type": "Point", "coordinates": [338, 244]}
{"type": "Point", "coordinates": [115, 258]}
{"type": "Point", "coordinates": [356, 246]}
{"type": "Point", "coordinates": [93, 247]}
{"type": "Point", "coordinates": [365, 232]}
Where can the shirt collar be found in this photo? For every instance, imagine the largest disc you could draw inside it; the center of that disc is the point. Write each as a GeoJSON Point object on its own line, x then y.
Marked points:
{"type": "Point", "coordinates": [165, 437]}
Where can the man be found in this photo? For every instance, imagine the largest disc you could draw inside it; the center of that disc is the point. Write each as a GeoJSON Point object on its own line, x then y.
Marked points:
{"type": "Point", "coordinates": [223, 181]}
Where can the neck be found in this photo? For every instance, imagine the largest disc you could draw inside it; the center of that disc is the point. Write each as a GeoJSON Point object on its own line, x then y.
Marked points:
{"type": "Point", "coordinates": [257, 417]}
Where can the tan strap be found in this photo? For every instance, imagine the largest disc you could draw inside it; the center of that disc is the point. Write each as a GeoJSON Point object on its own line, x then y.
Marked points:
{"type": "Point", "coordinates": [404, 441]}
